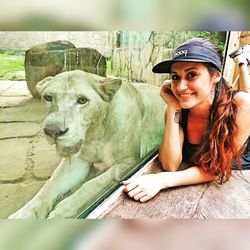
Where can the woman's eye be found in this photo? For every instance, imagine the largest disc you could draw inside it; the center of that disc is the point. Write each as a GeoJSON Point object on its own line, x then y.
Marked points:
{"type": "Point", "coordinates": [47, 98]}
{"type": "Point", "coordinates": [191, 75]}
{"type": "Point", "coordinates": [175, 77]}
{"type": "Point", "coordinates": [82, 100]}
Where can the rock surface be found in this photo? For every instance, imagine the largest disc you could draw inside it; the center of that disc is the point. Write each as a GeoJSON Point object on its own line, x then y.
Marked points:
{"type": "Point", "coordinates": [27, 160]}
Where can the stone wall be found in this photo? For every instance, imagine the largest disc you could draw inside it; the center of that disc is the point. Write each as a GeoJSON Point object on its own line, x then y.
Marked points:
{"type": "Point", "coordinates": [136, 64]}
{"type": "Point", "coordinates": [133, 59]}
{"type": "Point", "coordinates": [133, 53]}
{"type": "Point", "coordinates": [21, 41]}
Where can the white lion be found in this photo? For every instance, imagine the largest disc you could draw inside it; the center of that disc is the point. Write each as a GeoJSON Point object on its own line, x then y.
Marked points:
{"type": "Point", "coordinates": [91, 120]}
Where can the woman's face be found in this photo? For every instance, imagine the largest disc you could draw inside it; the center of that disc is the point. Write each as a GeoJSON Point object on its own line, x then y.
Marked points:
{"type": "Point", "coordinates": [191, 84]}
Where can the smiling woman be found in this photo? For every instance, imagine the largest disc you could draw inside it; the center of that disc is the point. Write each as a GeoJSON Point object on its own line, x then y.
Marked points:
{"type": "Point", "coordinates": [192, 83]}
{"type": "Point", "coordinates": [207, 123]}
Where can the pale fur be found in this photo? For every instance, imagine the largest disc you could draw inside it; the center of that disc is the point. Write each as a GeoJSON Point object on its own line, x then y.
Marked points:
{"type": "Point", "coordinates": [118, 126]}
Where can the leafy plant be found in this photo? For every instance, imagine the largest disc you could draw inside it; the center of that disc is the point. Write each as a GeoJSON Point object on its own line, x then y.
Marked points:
{"type": "Point", "coordinates": [216, 37]}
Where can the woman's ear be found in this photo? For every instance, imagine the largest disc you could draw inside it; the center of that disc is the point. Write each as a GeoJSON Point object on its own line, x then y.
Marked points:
{"type": "Point", "coordinates": [217, 76]}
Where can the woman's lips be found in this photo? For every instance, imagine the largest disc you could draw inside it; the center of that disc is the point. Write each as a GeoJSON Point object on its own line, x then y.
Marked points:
{"type": "Point", "coordinates": [185, 97]}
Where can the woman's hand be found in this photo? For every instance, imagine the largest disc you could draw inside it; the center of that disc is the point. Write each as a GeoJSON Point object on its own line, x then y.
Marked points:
{"type": "Point", "coordinates": [168, 96]}
{"type": "Point", "coordinates": [144, 187]}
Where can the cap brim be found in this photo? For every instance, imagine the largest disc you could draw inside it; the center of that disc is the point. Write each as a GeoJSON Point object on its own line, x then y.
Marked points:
{"type": "Point", "coordinates": [164, 67]}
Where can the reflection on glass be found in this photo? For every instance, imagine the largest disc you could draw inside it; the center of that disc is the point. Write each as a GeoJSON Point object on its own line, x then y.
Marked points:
{"type": "Point", "coordinates": [102, 127]}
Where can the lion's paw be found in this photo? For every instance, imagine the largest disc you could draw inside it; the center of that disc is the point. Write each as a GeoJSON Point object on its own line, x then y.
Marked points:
{"type": "Point", "coordinates": [23, 214]}
{"type": "Point", "coordinates": [67, 208]}
{"type": "Point", "coordinates": [33, 210]}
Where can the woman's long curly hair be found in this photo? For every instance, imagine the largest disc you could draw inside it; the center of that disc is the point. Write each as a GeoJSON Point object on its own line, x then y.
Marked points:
{"type": "Point", "coordinates": [218, 149]}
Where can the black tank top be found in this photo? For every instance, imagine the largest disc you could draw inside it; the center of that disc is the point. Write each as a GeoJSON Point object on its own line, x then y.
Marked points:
{"type": "Point", "coordinates": [190, 149]}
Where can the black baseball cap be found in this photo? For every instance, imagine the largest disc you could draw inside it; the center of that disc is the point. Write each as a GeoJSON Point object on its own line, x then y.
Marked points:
{"type": "Point", "coordinates": [190, 52]}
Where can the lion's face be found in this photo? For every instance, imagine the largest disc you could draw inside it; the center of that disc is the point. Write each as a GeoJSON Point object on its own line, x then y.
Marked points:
{"type": "Point", "coordinates": [77, 104]}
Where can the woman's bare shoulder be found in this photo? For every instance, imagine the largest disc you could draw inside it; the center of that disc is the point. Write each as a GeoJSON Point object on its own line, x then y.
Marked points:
{"type": "Point", "coordinates": [243, 118]}
{"type": "Point", "coordinates": [243, 100]}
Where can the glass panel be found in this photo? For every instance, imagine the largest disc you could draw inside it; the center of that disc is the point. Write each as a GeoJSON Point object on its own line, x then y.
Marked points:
{"type": "Point", "coordinates": [101, 116]}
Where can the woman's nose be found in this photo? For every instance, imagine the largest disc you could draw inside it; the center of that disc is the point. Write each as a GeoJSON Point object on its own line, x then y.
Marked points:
{"type": "Point", "coordinates": [182, 85]}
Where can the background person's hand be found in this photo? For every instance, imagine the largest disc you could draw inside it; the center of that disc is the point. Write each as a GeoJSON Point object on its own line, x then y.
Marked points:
{"type": "Point", "coordinates": [168, 96]}
{"type": "Point", "coordinates": [244, 56]}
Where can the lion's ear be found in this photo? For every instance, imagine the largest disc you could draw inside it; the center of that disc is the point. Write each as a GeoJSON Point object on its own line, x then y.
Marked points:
{"type": "Point", "coordinates": [108, 88]}
{"type": "Point", "coordinates": [40, 86]}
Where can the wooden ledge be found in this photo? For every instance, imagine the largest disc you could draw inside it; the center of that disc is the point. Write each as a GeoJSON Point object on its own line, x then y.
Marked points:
{"type": "Point", "coordinates": [210, 200]}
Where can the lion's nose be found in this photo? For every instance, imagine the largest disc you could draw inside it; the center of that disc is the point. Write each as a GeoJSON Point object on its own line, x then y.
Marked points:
{"type": "Point", "coordinates": [54, 131]}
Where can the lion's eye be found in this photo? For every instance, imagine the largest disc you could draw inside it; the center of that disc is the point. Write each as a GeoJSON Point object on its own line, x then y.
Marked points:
{"type": "Point", "coordinates": [82, 100]}
{"type": "Point", "coordinates": [47, 98]}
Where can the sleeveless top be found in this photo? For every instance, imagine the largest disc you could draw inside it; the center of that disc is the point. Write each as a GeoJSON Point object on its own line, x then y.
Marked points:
{"type": "Point", "coordinates": [189, 149]}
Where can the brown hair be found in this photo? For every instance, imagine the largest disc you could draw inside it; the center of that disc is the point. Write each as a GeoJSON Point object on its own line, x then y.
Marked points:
{"type": "Point", "coordinates": [218, 149]}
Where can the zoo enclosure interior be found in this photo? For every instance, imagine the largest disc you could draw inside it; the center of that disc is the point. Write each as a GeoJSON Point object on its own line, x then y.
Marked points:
{"type": "Point", "coordinates": [129, 55]}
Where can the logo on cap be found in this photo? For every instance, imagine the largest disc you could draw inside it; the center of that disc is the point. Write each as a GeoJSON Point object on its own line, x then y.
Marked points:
{"type": "Point", "coordinates": [181, 52]}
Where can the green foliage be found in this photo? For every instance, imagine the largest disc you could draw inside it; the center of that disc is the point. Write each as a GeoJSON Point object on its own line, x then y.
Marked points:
{"type": "Point", "coordinates": [217, 38]}
{"type": "Point", "coordinates": [11, 65]}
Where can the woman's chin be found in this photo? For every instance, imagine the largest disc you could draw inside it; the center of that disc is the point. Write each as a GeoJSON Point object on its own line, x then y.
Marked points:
{"type": "Point", "coordinates": [186, 105]}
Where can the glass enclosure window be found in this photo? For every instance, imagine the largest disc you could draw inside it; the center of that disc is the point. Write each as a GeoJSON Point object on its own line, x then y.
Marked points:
{"type": "Point", "coordinates": [80, 111]}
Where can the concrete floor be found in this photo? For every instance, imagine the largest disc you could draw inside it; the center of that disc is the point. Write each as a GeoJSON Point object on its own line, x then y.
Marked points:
{"type": "Point", "coordinates": [26, 159]}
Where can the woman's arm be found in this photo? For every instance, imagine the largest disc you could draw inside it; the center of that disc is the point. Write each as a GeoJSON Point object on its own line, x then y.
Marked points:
{"type": "Point", "coordinates": [189, 176]}
{"type": "Point", "coordinates": [146, 187]}
{"type": "Point", "coordinates": [170, 152]}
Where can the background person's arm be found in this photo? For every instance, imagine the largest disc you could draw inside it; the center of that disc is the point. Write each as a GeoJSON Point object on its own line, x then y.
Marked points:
{"type": "Point", "coordinates": [241, 58]}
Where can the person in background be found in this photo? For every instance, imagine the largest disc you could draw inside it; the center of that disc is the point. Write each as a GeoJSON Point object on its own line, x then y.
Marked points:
{"type": "Point", "coordinates": [241, 58]}
{"type": "Point", "coordinates": [207, 122]}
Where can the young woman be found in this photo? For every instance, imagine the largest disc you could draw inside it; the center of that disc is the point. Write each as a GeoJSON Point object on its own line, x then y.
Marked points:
{"type": "Point", "coordinates": [207, 123]}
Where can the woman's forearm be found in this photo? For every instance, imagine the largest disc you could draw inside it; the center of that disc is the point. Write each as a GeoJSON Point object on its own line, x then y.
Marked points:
{"type": "Point", "coordinates": [189, 176]}
{"type": "Point", "coordinates": [170, 153]}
